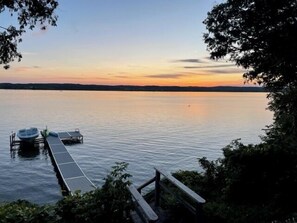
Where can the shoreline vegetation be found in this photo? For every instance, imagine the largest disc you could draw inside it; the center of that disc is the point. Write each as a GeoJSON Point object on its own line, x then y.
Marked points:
{"type": "Point", "coordinates": [88, 87]}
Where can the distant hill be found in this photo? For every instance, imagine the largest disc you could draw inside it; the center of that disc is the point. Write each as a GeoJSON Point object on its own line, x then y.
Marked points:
{"type": "Point", "coordinates": [87, 87]}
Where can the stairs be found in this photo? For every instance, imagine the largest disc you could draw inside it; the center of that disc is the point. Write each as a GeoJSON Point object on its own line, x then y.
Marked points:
{"type": "Point", "coordinates": [152, 212]}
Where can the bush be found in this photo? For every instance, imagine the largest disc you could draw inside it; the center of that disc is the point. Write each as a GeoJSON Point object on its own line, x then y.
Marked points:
{"type": "Point", "coordinates": [22, 211]}
{"type": "Point", "coordinates": [251, 183]}
{"type": "Point", "coordinates": [110, 204]}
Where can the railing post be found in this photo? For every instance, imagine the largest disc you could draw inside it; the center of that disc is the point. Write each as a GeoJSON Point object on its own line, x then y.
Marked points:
{"type": "Point", "coordinates": [157, 189]}
{"type": "Point", "coordinates": [139, 190]}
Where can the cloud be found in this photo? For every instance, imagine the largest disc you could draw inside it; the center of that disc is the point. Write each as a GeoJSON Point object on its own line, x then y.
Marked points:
{"type": "Point", "coordinates": [170, 76]}
{"type": "Point", "coordinates": [25, 68]}
{"type": "Point", "coordinates": [209, 66]}
{"type": "Point", "coordinates": [210, 72]}
{"type": "Point", "coordinates": [188, 61]}
{"type": "Point", "coordinates": [122, 76]}
{"type": "Point", "coordinates": [208, 58]}
{"type": "Point", "coordinates": [199, 73]}
{"type": "Point", "coordinates": [226, 71]}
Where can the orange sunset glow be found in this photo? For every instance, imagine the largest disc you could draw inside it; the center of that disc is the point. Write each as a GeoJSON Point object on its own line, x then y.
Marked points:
{"type": "Point", "coordinates": [139, 43]}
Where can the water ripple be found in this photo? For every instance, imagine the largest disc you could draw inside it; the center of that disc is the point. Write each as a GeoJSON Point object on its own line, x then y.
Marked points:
{"type": "Point", "coordinates": [145, 129]}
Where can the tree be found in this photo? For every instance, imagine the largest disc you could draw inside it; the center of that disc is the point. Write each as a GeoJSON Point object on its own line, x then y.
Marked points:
{"type": "Point", "coordinates": [29, 14]}
{"type": "Point", "coordinates": [260, 36]}
{"type": "Point", "coordinates": [257, 181]}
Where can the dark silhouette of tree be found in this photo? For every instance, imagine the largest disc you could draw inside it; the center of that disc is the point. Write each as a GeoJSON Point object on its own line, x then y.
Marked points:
{"type": "Point", "coordinates": [257, 180]}
{"type": "Point", "coordinates": [260, 36]}
{"type": "Point", "coordinates": [255, 183]}
{"type": "Point", "coordinates": [29, 14]}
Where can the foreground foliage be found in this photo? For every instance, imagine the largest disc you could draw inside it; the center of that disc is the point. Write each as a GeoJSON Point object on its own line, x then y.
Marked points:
{"type": "Point", "coordinates": [255, 183]}
{"type": "Point", "coordinates": [24, 211]}
{"type": "Point", "coordinates": [110, 204]}
{"type": "Point", "coordinates": [251, 183]}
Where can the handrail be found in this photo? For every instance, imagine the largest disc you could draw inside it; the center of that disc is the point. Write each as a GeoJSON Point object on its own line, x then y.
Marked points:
{"type": "Point", "coordinates": [196, 209]}
{"type": "Point", "coordinates": [146, 184]}
{"type": "Point", "coordinates": [149, 214]}
{"type": "Point", "coordinates": [194, 196]}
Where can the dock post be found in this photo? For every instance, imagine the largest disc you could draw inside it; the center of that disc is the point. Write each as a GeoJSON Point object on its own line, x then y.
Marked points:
{"type": "Point", "coordinates": [157, 189]}
{"type": "Point", "coordinates": [12, 140]}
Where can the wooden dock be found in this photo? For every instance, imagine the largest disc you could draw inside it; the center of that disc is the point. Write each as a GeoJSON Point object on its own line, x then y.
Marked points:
{"type": "Point", "coordinates": [71, 174]}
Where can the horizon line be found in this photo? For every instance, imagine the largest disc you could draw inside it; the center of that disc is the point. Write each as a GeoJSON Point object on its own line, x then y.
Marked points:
{"type": "Point", "coordinates": [96, 87]}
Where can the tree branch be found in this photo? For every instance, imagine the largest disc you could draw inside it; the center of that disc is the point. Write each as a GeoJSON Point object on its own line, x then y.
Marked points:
{"type": "Point", "coordinates": [3, 27]}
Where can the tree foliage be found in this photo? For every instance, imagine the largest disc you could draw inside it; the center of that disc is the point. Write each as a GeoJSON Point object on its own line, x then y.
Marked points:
{"type": "Point", "coordinates": [255, 183]}
{"type": "Point", "coordinates": [260, 36]}
{"type": "Point", "coordinates": [29, 13]}
{"type": "Point", "coordinates": [251, 183]}
{"type": "Point", "coordinates": [284, 128]}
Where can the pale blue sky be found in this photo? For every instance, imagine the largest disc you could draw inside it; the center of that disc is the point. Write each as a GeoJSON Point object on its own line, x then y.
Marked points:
{"type": "Point", "coordinates": [121, 42]}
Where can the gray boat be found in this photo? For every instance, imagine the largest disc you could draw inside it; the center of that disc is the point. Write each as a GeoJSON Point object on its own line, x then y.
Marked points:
{"type": "Point", "coordinates": [28, 135]}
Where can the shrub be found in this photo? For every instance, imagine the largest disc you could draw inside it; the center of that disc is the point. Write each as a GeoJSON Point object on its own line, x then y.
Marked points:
{"type": "Point", "coordinates": [251, 183]}
{"type": "Point", "coordinates": [110, 204]}
{"type": "Point", "coordinates": [22, 211]}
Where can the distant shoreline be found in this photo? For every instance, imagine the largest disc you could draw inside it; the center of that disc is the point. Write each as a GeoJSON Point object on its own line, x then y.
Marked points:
{"type": "Point", "coordinates": [89, 87]}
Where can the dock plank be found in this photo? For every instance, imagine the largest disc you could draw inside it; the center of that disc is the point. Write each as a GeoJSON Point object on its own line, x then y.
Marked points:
{"type": "Point", "coordinates": [75, 134]}
{"type": "Point", "coordinates": [69, 170]}
{"type": "Point", "coordinates": [64, 135]}
{"type": "Point", "coordinates": [81, 183]}
{"type": "Point", "coordinates": [52, 140]}
{"type": "Point", "coordinates": [71, 174]}
{"type": "Point", "coordinates": [58, 148]}
{"type": "Point", "coordinates": [62, 158]}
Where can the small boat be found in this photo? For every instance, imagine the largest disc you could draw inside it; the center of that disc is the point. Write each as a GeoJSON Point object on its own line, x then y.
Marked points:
{"type": "Point", "coordinates": [28, 135]}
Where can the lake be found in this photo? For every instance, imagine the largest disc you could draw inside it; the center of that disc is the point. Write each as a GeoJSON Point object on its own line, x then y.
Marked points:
{"type": "Point", "coordinates": [145, 129]}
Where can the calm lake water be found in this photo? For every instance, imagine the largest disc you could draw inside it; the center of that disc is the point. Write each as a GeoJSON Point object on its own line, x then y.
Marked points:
{"type": "Point", "coordinates": [145, 129]}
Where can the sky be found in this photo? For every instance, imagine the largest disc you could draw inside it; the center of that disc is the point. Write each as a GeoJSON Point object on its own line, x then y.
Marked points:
{"type": "Point", "coordinates": [122, 42]}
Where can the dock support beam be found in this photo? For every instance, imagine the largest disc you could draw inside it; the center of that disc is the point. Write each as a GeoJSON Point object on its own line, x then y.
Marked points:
{"type": "Point", "coordinates": [157, 189]}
